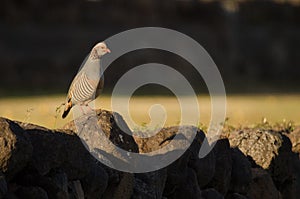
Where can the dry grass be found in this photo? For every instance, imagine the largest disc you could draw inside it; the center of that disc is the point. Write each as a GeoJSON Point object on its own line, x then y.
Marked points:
{"type": "Point", "coordinates": [243, 110]}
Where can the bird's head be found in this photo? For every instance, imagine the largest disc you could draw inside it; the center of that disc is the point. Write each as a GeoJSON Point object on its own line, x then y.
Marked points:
{"type": "Point", "coordinates": [99, 50]}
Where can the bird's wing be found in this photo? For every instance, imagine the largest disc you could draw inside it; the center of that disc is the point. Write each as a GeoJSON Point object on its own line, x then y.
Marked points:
{"type": "Point", "coordinates": [100, 86]}
{"type": "Point", "coordinates": [72, 87]}
{"type": "Point", "coordinates": [83, 88]}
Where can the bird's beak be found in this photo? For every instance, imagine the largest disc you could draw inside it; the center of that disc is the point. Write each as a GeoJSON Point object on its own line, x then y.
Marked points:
{"type": "Point", "coordinates": [107, 50]}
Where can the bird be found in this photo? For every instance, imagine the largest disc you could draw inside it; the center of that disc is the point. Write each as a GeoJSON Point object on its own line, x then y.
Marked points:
{"type": "Point", "coordinates": [88, 83]}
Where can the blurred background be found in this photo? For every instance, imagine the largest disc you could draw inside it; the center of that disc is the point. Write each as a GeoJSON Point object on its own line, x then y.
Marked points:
{"type": "Point", "coordinates": [255, 44]}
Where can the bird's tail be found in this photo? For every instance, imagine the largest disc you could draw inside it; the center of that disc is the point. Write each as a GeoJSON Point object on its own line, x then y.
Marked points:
{"type": "Point", "coordinates": [67, 110]}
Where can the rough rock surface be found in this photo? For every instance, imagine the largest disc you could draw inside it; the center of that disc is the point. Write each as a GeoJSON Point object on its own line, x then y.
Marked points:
{"type": "Point", "coordinates": [32, 192]}
{"type": "Point", "coordinates": [261, 145]}
{"type": "Point", "coordinates": [56, 164]}
{"type": "Point", "coordinates": [63, 149]}
{"type": "Point", "coordinates": [75, 190]}
{"type": "Point", "coordinates": [295, 139]}
{"type": "Point", "coordinates": [3, 186]}
{"type": "Point", "coordinates": [181, 179]}
{"type": "Point", "coordinates": [55, 183]}
{"type": "Point", "coordinates": [150, 185]}
{"type": "Point", "coordinates": [108, 121]}
{"type": "Point", "coordinates": [204, 168]}
{"type": "Point", "coordinates": [222, 176]}
{"type": "Point", "coordinates": [186, 187]}
{"type": "Point", "coordinates": [211, 193]}
{"type": "Point", "coordinates": [120, 185]}
{"type": "Point", "coordinates": [297, 174]}
{"type": "Point", "coordinates": [107, 137]}
{"type": "Point", "coordinates": [241, 174]}
{"type": "Point", "coordinates": [15, 148]}
{"type": "Point", "coordinates": [262, 185]}
{"type": "Point", "coordinates": [235, 196]}
{"type": "Point", "coordinates": [272, 151]}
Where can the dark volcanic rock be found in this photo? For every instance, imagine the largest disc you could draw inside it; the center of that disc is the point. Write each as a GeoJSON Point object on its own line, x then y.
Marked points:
{"type": "Point", "coordinates": [181, 180]}
{"type": "Point", "coordinates": [295, 139]}
{"type": "Point", "coordinates": [211, 193]}
{"type": "Point", "coordinates": [107, 137]}
{"type": "Point", "coordinates": [75, 190]}
{"type": "Point", "coordinates": [54, 149]}
{"type": "Point", "coordinates": [282, 170]}
{"type": "Point", "coordinates": [3, 186]}
{"type": "Point", "coordinates": [241, 175]}
{"type": "Point", "coordinates": [262, 185]}
{"type": "Point", "coordinates": [222, 176]}
{"type": "Point", "coordinates": [120, 185]}
{"type": "Point", "coordinates": [31, 192]}
{"type": "Point", "coordinates": [11, 195]}
{"type": "Point", "coordinates": [176, 174]}
{"type": "Point", "coordinates": [235, 196]}
{"type": "Point", "coordinates": [297, 174]}
{"type": "Point", "coordinates": [179, 170]}
{"type": "Point", "coordinates": [59, 156]}
{"type": "Point", "coordinates": [187, 187]}
{"type": "Point", "coordinates": [149, 185]}
{"type": "Point", "coordinates": [55, 183]}
{"type": "Point", "coordinates": [270, 150]}
{"type": "Point", "coordinates": [163, 138]}
{"type": "Point", "coordinates": [108, 121]}
{"type": "Point", "coordinates": [56, 164]}
{"type": "Point", "coordinates": [188, 172]}
{"type": "Point", "coordinates": [63, 149]}
{"type": "Point", "coordinates": [95, 182]}
{"type": "Point", "coordinates": [203, 167]}
{"type": "Point", "coordinates": [15, 148]}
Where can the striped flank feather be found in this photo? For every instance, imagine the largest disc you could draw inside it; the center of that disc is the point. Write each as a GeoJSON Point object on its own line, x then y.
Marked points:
{"type": "Point", "coordinates": [82, 89]}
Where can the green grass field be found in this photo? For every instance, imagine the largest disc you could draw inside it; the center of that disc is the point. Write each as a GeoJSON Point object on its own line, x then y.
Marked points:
{"type": "Point", "coordinates": [241, 109]}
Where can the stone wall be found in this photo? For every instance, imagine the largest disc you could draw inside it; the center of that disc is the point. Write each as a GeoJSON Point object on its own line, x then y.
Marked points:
{"type": "Point", "coordinates": [36, 162]}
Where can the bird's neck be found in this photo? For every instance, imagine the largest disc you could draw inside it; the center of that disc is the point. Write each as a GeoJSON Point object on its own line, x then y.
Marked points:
{"type": "Point", "coordinates": [93, 68]}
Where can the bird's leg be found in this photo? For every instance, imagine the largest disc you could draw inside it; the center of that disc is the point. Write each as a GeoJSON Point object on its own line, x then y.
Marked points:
{"type": "Point", "coordinates": [86, 109]}
{"type": "Point", "coordinates": [89, 109]}
{"type": "Point", "coordinates": [82, 110]}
